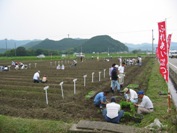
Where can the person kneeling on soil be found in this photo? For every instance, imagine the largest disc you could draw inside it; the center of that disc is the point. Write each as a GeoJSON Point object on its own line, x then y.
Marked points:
{"type": "Point", "coordinates": [146, 105]}
{"type": "Point", "coordinates": [113, 113]}
{"type": "Point", "coordinates": [100, 99]}
{"type": "Point", "coordinates": [130, 95]}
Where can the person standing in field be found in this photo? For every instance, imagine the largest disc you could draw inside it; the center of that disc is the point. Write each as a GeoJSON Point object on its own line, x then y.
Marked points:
{"type": "Point", "coordinates": [120, 60]}
{"type": "Point", "coordinates": [36, 77]}
{"type": "Point", "coordinates": [140, 61]}
{"type": "Point", "coordinates": [110, 73]}
{"type": "Point", "coordinates": [111, 68]}
{"type": "Point", "coordinates": [114, 79]}
{"type": "Point", "coordinates": [121, 68]}
{"type": "Point", "coordinates": [121, 74]}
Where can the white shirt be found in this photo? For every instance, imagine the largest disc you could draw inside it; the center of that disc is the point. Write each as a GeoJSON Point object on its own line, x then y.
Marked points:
{"type": "Point", "coordinates": [112, 110]}
{"type": "Point", "coordinates": [132, 95]}
{"type": "Point", "coordinates": [121, 69]}
{"type": "Point", "coordinates": [36, 76]}
{"type": "Point", "coordinates": [146, 102]}
{"type": "Point", "coordinates": [58, 67]}
{"type": "Point", "coordinates": [140, 59]}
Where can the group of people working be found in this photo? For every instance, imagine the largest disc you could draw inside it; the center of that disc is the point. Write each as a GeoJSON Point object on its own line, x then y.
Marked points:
{"type": "Point", "coordinates": [112, 112]}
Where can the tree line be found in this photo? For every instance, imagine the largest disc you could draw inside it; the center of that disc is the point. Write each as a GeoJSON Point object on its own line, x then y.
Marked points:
{"type": "Point", "coordinates": [21, 51]}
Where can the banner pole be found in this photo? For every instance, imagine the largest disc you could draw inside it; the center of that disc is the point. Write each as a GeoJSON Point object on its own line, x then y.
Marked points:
{"type": "Point", "coordinates": [168, 77]}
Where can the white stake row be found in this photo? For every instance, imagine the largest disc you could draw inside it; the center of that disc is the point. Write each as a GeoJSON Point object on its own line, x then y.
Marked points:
{"type": "Point", "coordinates": [74, 80]}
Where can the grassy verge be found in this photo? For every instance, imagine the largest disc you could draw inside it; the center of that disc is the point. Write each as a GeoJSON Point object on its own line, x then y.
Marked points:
{"type": "Point", "coordinates": [156, 83]}
{"type": "Point", "coordinates": [19, 125]}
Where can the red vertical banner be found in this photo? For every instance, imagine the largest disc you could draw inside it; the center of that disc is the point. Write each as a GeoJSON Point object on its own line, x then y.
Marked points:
{"type": "Point", "coordinates": [162, 50]}
{"type": "Point", "coordinates": [169, 41]}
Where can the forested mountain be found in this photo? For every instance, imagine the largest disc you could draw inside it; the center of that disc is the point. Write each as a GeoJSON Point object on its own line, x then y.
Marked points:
{"type": "Point", "coordinates": [64, 44]}
{"type": "Point", "coordinates": [96, 44]}
{"type": "Point", "coordinates": [102, 43]}
{"type": "Point", "coordinates": [32, 43]}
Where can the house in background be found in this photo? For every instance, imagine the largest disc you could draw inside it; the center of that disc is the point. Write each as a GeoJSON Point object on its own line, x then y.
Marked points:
{"type": "Point", "coordinates": [41, 56]}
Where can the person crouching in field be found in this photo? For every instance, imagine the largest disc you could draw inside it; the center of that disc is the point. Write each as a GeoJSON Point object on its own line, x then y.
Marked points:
{"type": "Point", "coordinates": [36, 77]}
{"type": "Point", "coordinates": [130, 95]}
{"type": "Point", "coordinates": [113, 113]}
{"type": "Point", "coordinates": [146, 105]}
{"type": "Point", "coordinates": [100, 99]}
{"type": "Point", "coordinates": [44, 79]}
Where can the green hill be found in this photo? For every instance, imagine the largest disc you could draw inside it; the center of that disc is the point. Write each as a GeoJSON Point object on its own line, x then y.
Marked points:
{"type": "Point", "coordinates": [64, 44]}
{"type": "Point", "coordinates": [32, 44]}
{"type": "Point", "coordinates": [103, 43]}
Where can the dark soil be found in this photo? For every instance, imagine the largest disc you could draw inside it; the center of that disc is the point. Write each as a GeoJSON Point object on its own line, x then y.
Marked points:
{"type": "Point", "coordinates": [20, 97]}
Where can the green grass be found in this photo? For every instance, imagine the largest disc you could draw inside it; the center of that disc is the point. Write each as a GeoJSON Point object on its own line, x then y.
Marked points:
{"type": "Point", "coordinates": [19, 125]}
{"type": "Point", "coordinates": [157, 83]}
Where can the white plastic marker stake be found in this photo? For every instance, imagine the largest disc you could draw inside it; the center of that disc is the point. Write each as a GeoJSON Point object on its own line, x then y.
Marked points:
{"type": "Point", "coordinates": [99, 76]}
{"type": "Point", "coordinates": [50, 64]}
{"type": "Point", "coordinates": [104, 72]}
{"type": "Point", "coordinates": [93, 76]}
{"type": "Point", "coordinates": [74, 85]}
{"type": "Point", "coordinates": [45, 88]}
{"type": "Point", "coordinates": [9, 67]}
{"type": "Point", "coordinates": [35, 65]}
{"type": "Point", "coordinates": [85, 80]}
{"type": "Point", "coordinates": [62, 94]}
{"type": "Point", "coordinates": [29, 65]}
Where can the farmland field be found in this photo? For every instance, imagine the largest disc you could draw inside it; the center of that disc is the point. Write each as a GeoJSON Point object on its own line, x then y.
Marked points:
{"type": "Point", "coordinates": [20, 97]}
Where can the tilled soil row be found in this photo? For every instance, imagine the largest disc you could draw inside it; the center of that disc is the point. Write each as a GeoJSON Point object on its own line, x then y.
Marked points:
{"type": "Point", "coordinates": [19, 96]}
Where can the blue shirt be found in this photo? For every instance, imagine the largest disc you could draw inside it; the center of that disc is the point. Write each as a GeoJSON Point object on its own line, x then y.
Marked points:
{"type": "Point", "coordinates": [100, 97]}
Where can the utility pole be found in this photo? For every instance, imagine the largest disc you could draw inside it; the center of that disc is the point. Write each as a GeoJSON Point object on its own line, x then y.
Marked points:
{"type": "Point", "coordinates": [6, 46]}
{"type": "Point", "coordinates": [152, 42]}
{"type": "Point", "coordinates": [15, 50]}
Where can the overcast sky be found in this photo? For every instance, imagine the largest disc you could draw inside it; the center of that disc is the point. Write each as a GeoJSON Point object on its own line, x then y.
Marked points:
{"type": "Point", "coordinates": [129, 21]}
